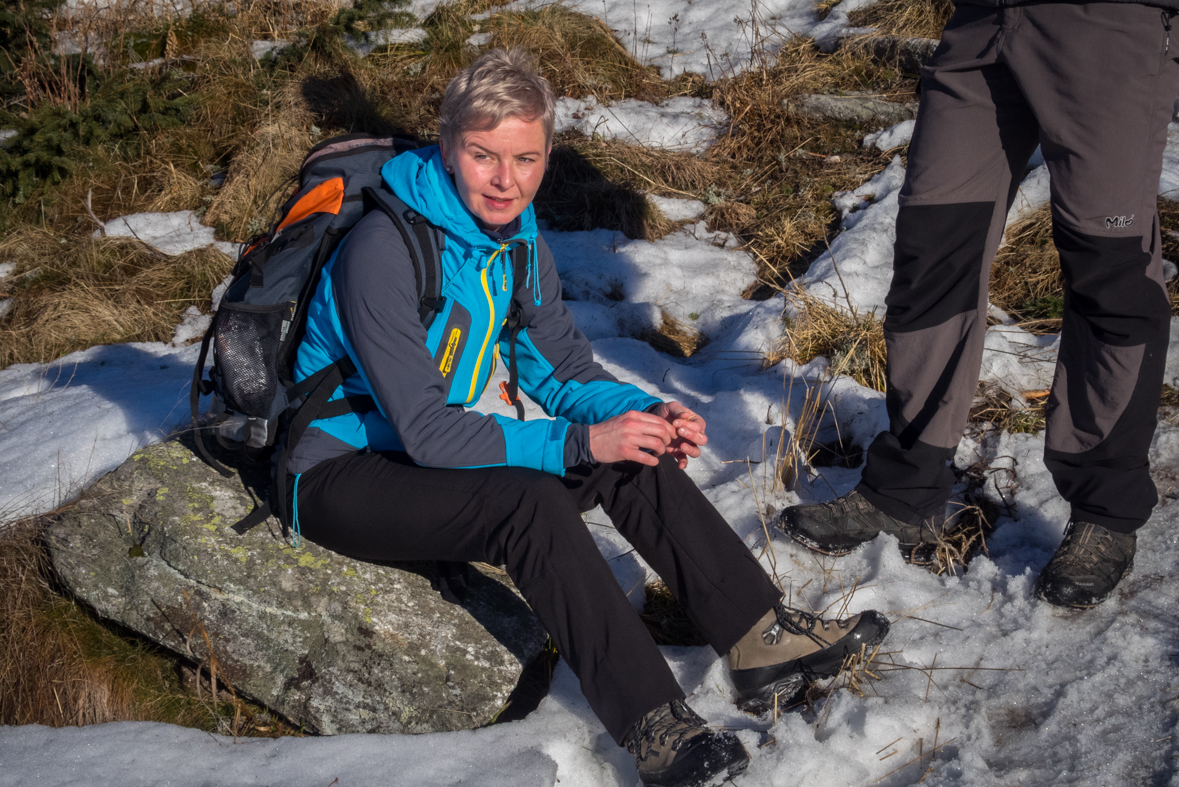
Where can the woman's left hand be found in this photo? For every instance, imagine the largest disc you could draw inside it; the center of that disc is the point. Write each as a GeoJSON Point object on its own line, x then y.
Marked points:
{"type": "Point", "coordinates": [689, 430]}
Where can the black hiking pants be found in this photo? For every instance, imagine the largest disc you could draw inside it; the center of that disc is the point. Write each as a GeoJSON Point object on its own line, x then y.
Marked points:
{"type": "Point", "coordinates": [381, 506]}
{"type": "Point", "coordinates": [1094, 85]}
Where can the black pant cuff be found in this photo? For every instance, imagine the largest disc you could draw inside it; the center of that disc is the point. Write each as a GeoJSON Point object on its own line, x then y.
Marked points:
{"type": "Point", "coordinates": [1116, 524]}
{"type": "Point", "coordinates": [890, 505]}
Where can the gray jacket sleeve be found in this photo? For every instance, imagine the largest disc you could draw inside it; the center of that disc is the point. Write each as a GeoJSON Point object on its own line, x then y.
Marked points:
{"type": "Point", "coordinates": [376, 302]}
{"type": "Point", "coordinates": [556, 363]}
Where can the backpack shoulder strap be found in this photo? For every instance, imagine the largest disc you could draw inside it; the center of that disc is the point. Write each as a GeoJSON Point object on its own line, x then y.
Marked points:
{"type": "Point", "coordinates": [422, 242]}
{"type": "Point", "coordinates": [516, 322]}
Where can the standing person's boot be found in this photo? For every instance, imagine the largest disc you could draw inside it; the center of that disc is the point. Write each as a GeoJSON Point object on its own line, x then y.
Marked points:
{"type": "Point", "coordinates": [841, 525]}
{"type": "Point", "coordinates": [1087, 566]}
{"type": "Point", "coordinates": [673, 747]}
{"type": "Point", "coordinates": [788, 648]}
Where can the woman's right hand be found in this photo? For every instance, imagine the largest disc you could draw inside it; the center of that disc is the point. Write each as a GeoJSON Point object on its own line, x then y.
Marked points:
{"type": "Point", "coordinates": [629, 437]}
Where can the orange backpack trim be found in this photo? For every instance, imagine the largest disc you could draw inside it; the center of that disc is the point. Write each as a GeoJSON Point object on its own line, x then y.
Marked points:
{"type": "Point", "coordinates": [327, 197]}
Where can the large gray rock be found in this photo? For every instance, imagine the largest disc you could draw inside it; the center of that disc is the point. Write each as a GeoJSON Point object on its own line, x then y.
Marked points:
{"type": "Point", "coordinates": [908, 54]}
{"type": "Point", "coordinates": [335, 644]}
{"type": "Point", "coordinates": [863, 110]}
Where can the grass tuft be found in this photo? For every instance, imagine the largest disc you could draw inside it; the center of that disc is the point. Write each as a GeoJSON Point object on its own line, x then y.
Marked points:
{"type": "Point", "coordinates": [995, 407]}
{"type": "Point", "coordinates": [61, 666]}
{"type": "Point", "coordinates": [852, 342]}
{"type": "Point", "coordinates": [675, 338]}
{"type": "Point", "coordinates": [73, 292]}
{"type": "Point", "coordinates": [1025, 276]}
{"type": "Point", "coordinates": [921, 18]}
{"type": "Point", "coordinates": [577, 53]}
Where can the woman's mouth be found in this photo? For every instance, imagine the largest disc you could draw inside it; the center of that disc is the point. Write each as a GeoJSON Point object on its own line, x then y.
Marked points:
{"type": "Point", "coordinates": [497, 204]}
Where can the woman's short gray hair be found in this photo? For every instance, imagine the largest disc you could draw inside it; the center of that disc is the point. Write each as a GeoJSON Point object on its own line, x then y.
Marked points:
{"type": "Point", "coordinates": [499, 85]}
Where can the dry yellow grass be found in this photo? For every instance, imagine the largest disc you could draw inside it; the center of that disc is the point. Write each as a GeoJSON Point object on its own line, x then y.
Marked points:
{"type": "Point", "coordinates": [994, 406]}
{"type": "Point", "coordinates": [675, 337]}
{"type": "Point", "coordinates": [72, 292]}
{"type": "Point", "coordinates": [923, 18]}
{"type": "Point", "coordinates": [853, 343]}
{"type": "Point", "coordinates": [577, 53]}
{"type": "Point", "coordinates": [1025, 276]}
{"type": "Point", "coordinates": [783, 167]}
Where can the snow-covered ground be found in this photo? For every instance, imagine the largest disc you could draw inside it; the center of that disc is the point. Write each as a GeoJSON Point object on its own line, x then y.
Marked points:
{"type": "Point", "coordinates": [682, 123]}
{"type": "Point", "coordinates": [993, 687]}
{"type": "Point", "coordinates": [1013, 691]}
{"type": "Point", "coordinates": [711, 38]}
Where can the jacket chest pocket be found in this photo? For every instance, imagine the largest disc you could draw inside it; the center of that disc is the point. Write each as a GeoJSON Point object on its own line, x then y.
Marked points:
{"type": "Point", "coordinates": [454, 337]}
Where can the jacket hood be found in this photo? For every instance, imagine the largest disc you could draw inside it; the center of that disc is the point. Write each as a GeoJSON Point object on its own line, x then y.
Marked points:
{"type": "Point", "coordinates": [419, 179]}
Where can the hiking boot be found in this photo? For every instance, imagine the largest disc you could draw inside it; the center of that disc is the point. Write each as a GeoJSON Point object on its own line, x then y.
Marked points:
{"type": "Point", "coordinates": [789, 648]}
{"type": "Point", "coordinates": [673, 747]}
{"type": "Point", "coordinates": [838, 527]}
{"type": "Point", "coordinates": [1087, 566]}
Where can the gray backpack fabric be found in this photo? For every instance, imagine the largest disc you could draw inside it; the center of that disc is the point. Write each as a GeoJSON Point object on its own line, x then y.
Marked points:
{"type": "Point", "coordinates": [259, 323]}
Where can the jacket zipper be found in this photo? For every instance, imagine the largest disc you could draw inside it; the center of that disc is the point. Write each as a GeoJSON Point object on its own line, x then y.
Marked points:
{"type": "Point", "coordinates": [490, 324]}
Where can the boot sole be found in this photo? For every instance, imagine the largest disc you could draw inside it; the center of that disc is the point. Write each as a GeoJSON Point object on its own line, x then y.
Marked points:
{"type": "Point", "coordinates": [757, 687]}
{"type": "Point", "coordinates": [923, 554]}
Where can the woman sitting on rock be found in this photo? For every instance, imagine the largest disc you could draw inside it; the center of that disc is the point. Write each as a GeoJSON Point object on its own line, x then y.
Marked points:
{"type": "Point", "coordinates": [425, 478]}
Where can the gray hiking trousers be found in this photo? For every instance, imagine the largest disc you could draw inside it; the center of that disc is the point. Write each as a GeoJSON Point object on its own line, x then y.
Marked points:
{"type": "Point", "coordinates": [1094, 84]}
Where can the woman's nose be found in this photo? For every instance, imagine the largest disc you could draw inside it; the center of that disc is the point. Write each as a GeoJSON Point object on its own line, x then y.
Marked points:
{"type": "Point", "coordinates": [502, 178]}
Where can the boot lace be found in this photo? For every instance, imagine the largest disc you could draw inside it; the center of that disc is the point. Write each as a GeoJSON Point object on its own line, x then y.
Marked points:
{"type": "Point", "coordinates": [798, 623]}
{"type": "Point", "coordinates": [670, 726]}
{"type": "Point", "coordinates": [1089, 548]}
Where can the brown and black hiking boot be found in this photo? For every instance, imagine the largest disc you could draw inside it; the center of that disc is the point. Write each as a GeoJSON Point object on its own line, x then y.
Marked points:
{"type": "Point", "coordinates": [673, 747]}
{"type": "Point", "coordinates": [1087, 566]}
{"type": "Point", "coordinates": [789, 648]}
{"type": "Point", "coordinates": [838, 527]}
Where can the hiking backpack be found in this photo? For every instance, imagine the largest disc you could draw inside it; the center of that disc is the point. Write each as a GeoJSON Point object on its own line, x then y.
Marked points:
{"type": "Point", "coordinates": [260, 321]}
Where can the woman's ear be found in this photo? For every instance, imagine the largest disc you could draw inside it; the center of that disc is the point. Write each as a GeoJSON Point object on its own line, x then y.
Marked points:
{"type": "Point", "coordinates": [442, 150]}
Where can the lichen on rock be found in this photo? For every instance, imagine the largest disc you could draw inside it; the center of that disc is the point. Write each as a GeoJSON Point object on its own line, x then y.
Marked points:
{"type": "Point", "coordinates": [334, 644]}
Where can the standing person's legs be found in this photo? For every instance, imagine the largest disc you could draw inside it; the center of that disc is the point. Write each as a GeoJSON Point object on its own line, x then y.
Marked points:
{"type": "Point", "coordinates": [1104, 126]}
{"type": "Point", "coordinates": [383, 507]}
{"type": "Point", "coordinates": [974, 136]}
{"type": "Point", "coordinates": [973, 139]}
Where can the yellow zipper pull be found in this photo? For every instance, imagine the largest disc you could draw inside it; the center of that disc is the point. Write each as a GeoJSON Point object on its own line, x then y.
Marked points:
{"type": "Point", "coordinates": [503, 248]}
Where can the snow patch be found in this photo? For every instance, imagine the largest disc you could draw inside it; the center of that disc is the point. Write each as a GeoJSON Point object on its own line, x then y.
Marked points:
{"type": "Point", "coordinates": [889, 138]}
{"type": "Point", "coordinates": [171, 233]}
{"type": "Point", "coordinates": [368, 42]}
{"type": "Point", "coordinates": [260, 49]}
{"type": "Point", "coordinates": [681, 123]}
{"type": "Point", "coordinates": [678, 209]}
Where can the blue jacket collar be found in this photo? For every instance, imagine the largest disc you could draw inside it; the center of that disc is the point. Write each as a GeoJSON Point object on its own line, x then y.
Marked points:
{"type": "Point", "coordinates": [419, 178]}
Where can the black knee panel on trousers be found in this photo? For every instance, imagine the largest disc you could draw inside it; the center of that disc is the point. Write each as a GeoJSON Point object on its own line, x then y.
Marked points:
{"type": "Point", "coordinates": [937, 263]}
{"type": "Point", "coordinates": [1106, 285]}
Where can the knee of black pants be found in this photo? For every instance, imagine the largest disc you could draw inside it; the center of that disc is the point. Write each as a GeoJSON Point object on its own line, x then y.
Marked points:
{"type": "Point", "coordinates": [937, 263]}
{"type": "Point", "coordinates": [535, 522]}
{"type": "Point", "coordinates": [1107, 286]}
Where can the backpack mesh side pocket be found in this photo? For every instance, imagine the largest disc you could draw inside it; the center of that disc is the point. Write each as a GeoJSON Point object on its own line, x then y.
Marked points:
{"type": "Point", "coordinates": [246, 342]}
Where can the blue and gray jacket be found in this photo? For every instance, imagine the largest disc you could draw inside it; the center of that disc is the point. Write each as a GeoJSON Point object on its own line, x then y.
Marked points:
{"type": "Point", "coordinates": [423, 380]}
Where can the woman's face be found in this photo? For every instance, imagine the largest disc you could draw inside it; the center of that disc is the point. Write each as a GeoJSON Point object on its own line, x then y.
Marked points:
{"type": "Point", "coordinates": [498, 171]}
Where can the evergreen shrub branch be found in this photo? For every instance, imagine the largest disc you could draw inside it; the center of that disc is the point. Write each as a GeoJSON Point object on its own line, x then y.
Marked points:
{"type": "Point", "coordinates": [53, 137]}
